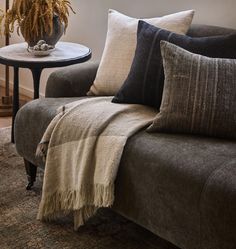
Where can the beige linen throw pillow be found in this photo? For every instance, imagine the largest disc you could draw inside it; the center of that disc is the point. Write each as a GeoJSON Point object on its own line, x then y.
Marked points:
{"type": "Point", "coordinates": [120, 47]}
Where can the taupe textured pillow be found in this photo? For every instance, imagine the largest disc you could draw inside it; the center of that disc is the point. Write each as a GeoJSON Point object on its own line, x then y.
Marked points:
{"type": "Point", "coordinates": [120, 47]}
{"type": "Point", "coordinates": [199, 94]}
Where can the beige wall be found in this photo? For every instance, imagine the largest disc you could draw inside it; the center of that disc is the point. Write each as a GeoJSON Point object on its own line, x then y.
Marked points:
{"type": "Point", "coordinates": [89, 25]}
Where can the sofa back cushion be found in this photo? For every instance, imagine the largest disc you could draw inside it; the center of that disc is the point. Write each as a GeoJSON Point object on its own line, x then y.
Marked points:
{"type": "Point", "coordinates": [199, 94]}
{"type": "Point", "coordinates": [203, 30]}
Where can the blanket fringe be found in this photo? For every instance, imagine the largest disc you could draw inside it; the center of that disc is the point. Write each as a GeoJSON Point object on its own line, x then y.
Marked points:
{"type": "Point", "coordinates": [41, 150]}
{"type": "Point", "coordinates": [82, 215]}
{"type": "Point", "coordinates": [84, 203]}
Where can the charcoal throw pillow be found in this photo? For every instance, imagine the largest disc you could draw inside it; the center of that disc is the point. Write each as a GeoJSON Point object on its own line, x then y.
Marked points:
{"type": "Point", "coordinates": [144, 84]}
{"type": "Point", "coordinates": [199, 94]}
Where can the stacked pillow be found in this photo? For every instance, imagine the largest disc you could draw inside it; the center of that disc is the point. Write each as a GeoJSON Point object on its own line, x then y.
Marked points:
{"type": "Point", "coordinates": [120, 47]}
{"type": "Point", "coordinates": [199, 94]}
{"type": "Point", "coordinates": [196, 76]}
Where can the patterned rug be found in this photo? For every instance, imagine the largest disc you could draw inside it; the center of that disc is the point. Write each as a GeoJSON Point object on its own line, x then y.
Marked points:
{"type": "Point", "coordinates": [20, 229]}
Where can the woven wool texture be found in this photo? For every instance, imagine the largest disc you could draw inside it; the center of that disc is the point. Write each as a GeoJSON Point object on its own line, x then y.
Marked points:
{"type": "Point", "coordinates": [85, 144]}
{"type": "Point", "coordinates": [199, 94]}
{"type": "Point", "coordinates": [120, 47]}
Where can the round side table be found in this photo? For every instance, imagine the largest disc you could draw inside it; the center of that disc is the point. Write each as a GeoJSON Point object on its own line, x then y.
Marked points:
{"type": "Point", "coordinates": [17, 56]}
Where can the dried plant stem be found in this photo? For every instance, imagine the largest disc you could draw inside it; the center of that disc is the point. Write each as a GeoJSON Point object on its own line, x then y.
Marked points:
{"type": "Point", "coordinates": [35, 17]}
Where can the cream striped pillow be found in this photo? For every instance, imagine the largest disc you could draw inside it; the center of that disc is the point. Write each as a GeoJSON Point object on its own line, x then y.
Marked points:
{"type": "Point", "coordinates": [120, 47]}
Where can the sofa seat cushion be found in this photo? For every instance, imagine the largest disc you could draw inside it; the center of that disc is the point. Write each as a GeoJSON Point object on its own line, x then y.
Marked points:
{"type": "Point", "coordinates": [181, 187]}
{"type": "Point", "coordinates": [31, 123]}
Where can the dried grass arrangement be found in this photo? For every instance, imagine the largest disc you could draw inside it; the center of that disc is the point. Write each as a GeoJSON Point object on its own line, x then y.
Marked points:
{"type": "Point", "coordinates": [34, 18]}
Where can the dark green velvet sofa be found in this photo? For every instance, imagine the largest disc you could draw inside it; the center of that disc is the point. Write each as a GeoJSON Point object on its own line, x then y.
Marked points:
{"type": "Point", "coordinates": [180, 187]}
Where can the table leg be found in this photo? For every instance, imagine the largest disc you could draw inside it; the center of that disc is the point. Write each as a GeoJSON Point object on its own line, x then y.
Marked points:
{"type": "Point", "coordinates": [15, 100]}
{"type": "Point", "coordinates": [36, 72]}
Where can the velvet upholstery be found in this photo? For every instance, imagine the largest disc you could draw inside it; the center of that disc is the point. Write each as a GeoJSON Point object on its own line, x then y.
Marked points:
{"type": "Point", "coordinates": [199, 30]}
{"type": "Point", "coordinates": [72, 81]}
{"type": "Point", "coordinates": [182, 188]}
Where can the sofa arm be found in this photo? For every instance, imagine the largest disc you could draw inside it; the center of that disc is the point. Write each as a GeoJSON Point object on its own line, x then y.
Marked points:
{"type": "Point", "coordinates": [72, 81]}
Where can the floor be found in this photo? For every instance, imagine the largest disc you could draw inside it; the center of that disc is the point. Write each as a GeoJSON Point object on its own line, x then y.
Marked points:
{"type": "Point", "coordinates": [6, 121]}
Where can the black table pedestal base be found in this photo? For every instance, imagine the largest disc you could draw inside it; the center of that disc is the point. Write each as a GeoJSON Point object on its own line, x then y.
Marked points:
{"type": "Point", "coordinates": [36, 72]}
{"type": "Point", "coordinates": [15, 100]}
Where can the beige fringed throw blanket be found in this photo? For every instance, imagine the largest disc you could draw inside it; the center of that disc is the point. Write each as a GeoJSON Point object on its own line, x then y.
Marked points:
{"type": "Point", "coordinates": [83, 146]}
